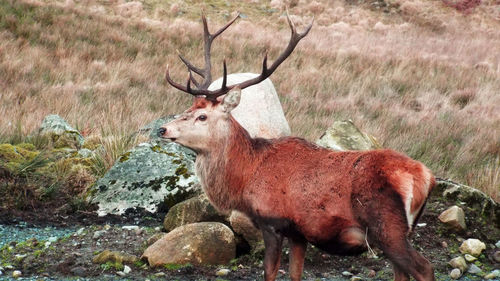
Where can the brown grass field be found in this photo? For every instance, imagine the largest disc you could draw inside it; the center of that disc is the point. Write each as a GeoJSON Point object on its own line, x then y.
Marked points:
{"type": "Point", "coordinates": [420, 76]}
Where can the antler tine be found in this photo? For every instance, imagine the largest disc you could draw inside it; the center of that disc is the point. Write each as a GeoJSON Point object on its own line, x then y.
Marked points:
{"type": "Point", "coordinates": [191, 77]}
{"type": "Point", "coordinates": [266, 72]}
{"type": "Point", "coordinates": [190, 66]}
{"type": "Point", "coordinates": [175, 84]}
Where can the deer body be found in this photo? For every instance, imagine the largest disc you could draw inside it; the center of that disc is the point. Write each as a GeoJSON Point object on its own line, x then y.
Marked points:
{"type": "Point", "coordinates": [341, 202]}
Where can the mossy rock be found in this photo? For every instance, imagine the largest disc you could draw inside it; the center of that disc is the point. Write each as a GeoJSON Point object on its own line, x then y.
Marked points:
{"type": "Point", "coordinates": [148, 177]}
{"type": "Point", "coordinates": [344, 135]}
{"type": "Point", "coordinates": [60, 133]}
{"type": "Point", "coordinates": [486, 207]}
{"type": "Point", "coordinates": [13, 157]}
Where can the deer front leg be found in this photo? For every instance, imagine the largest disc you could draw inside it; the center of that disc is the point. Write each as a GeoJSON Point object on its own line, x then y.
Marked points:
{"type": "Point", "coordinates": [298, 248]}
{"type": "Point", "coordinates": [272, 242]}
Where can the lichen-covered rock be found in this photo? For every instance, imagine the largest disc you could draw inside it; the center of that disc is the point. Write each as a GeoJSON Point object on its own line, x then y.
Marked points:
{"type": "Point", "coordinates": [198, 243]}
{"type": "Point", "coordinates": [242, 225]}
{"type": "Point", "coordinates": [60, 133]}
{"type": "Point", "coordinates": [259, 110]}
{"type": "Point", "coordinates": [472, 247]}
{"type": "Point", "coordinates": [196, 209]}
{"type": "Point", "coordinates": [344, 135]}
{"type": "Point", "coordinates": [473, 198]}
{"type": "Point", "coordinates": [151, 129]}
{"type": "Point", "coordinates": [454, 217]}
{"type": "Point", "coordinates": [146, 177]}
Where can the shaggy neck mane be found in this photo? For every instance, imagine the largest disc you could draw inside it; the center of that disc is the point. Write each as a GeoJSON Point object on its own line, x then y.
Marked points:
{"type": "Point", "coordinates": [225, 170]}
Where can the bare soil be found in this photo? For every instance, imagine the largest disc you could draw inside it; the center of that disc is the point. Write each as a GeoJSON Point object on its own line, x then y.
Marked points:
{"type": "Point", "coordinates": [71, 256]}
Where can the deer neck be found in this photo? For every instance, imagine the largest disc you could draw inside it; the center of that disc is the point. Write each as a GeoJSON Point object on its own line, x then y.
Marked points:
{"type": "Point", "coordinates": [226, 169]}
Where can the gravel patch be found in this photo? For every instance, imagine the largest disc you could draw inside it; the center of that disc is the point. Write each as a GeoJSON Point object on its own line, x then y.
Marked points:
{"type": "Point", "coordinates": [21, 232]}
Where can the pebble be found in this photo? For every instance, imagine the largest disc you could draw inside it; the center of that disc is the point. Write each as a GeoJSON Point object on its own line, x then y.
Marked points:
{"type": "Point", "coordinates": [52, 239]}
{"type": "Point", "coordinates": [16, 274]}
{"type": "Point", "coordinates": [79, 232]}
{"type": "Point", "coordinates": [497, 244]}
{"type": "Point", "coordinates": [107, 227]}
{"type": "Point", "coordinates": [130, 227]}
{"type": "Point", "coordinates": [496, 256]}
{"type": "Point", "coordinates": [356, 278]}
{"type": "Point", "coordinates": [458, 262]}
{"type": "Point", "coordinates": [121, 273]}
{"type": "Point", "coordinates": [1, 273]}
{"type": "Point", "coordinates": [474, 269]}
{"type": "Point", "coordinates": [455, 273]}
{"type": "Point", "coordinates": [126, 269]}
{"type": "Point", "coordinates": [494, 274]}
{"type": "Point", "coordinates": [470, 258]}
{"type": "Point", "coordinates": [222, 272]}
{"type": "Point", "coordinates": [444, 244]}
{"type": "Point", "coordinates": [347, 273]}
{"type": "Point", "coordinates": [47, 244]}
{"type": "Point", "coordinates": [421, 224]}
{"type": "Point", "coordinates": [99, 233]}
{"type": "Point", "coordinates": [160, 274]}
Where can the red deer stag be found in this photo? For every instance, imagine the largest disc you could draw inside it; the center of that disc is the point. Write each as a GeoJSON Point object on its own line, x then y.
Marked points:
{"type": "Point", "coordinates": [340, 202]}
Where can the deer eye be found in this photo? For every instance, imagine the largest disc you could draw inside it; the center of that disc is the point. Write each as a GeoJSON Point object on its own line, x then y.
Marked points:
{"type": "Point", "coordinates": [202, 117]}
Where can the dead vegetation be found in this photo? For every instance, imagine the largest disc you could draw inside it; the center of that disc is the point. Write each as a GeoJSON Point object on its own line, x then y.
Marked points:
{"type": "Point", "coordinates": [422, 77]}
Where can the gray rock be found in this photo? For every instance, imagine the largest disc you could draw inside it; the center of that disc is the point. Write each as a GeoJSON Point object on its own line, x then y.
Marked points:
{"type": "Point", "coordinates": [347, 273]}
{"type": "Point", "coordinates": [146, 177]}
{"type": "Point", "coordinates": [473, 197]}
{"type": "Point", "coordinates": [151, 129]}
{"type": "Point", "coordinates": [454, 217]}
{"type": "Point", "coordinates": [458, 262]}
{"type": "Point", "coordinates": [85, 153]}
{"type": "Point", "coordinates": [344, 135]}
{"type": "Point", "coordinates": [196, 209]}
{"type": "Point", "coordinates": [126, 269]}
{"type": "Point", "coordinates": [197, 243]}
{"type": "Point", "coordinates": [455, 273]}
{"type": "Point", "coordinates": [497, 244]}
{"type": "Point", "coordinates": [79, 271]}
{"type": "Point", "coordinates": [472, 247]}
{"type": "Point", "coordinates": [60, 132]}
{"type": "Point", "coordinates": [474, 269]}
{"type": "Point", "coordinates": [494, 274]}
{"type": "Point", "coordinates": [496, 256]}
{"type": "Point", "coordinates": [98, 234]}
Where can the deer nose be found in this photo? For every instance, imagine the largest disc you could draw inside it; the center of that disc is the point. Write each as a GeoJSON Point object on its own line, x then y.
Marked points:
{"type": "Point", "coordinates": [161, 131]}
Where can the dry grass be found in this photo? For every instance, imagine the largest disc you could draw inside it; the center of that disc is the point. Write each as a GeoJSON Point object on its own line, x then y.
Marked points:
{"type": "Point", "coordinates": [420, 76]}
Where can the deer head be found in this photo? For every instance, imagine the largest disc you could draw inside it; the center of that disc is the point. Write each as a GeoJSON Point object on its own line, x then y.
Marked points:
{"type": "Point", "coordinates": [210, 113]}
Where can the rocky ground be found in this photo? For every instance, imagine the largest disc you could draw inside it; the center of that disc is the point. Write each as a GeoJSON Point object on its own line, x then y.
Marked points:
{"type": "Point", "coordinates": [69, 247]}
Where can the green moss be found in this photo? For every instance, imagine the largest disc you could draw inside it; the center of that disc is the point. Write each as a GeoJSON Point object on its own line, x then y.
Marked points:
{"type": "Point", "coordinates": [182, 171]}
{"type": "Point", "coordinates": [175, 266]}
{"type": "Point", "coordinates": [118, 266]}
{"type": "Point", "coordinates": [158, 149]}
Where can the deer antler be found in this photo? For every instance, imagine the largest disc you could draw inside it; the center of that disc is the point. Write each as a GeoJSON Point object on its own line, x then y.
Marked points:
{"type": "Point", "coordinates": [202, 88]}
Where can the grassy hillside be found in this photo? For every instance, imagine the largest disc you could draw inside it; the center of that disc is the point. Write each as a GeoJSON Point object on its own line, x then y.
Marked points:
{"type": "Point", "coordinates": [421, 76]}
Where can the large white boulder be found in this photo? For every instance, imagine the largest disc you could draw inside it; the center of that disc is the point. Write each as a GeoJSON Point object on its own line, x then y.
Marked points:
{"type": "Point", "coordinates": [259, 111]}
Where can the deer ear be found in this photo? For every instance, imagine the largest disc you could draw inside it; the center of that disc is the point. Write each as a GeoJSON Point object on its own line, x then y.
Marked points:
{"type": "Point", "coordinates": [231, 100]}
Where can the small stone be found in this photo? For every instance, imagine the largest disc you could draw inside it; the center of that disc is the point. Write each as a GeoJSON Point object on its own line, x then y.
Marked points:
{"type": "Point", "coordinates": [160, 274]}
{"type": "Point", "coordinates": [79, 232]}
{"type": "Point", "coordinates": [222, 272]}
{"type": "Point", "coordinates": [496, 256]}
{"type": "Point", "coordinates": [107, 227]}
{"type": "Point", "coordinates": [47, 244]}
{"type": "Point", "coordinates": [474, 269]}
{"type": "Point", "coordinates": [444, 244]}
{"type": "Point", "coordinates": [455, 273]}
{"type": "Point", "coordinates": [126, 269]}
{"type": "Point", "coordinates": [157, 228]}
{"type": "Point", "coordinates": [372, 273]}
{"type": "Point", "coordinates": [454, 217]}
{"type": "Point", "coordinates": [472, 246]}
{"type": "Point", "coordinates": [469, 258]}
{"type": "Point", "coordinates": [52, 239]}
{"type": "Point", "coordinates": [497, 244]}
{"type": "Point", "coordinates": [121, 273]}
{"type": "Point", "coordinates": [139, 231]}
{"type": "Point", "coordinates": [130, 227]}
{"type": "Point", "coordinates": [16, 274]}
{"type": "Point", "coordinates": [458, 262]}
{"type": "Point", "coordinates": [421, 224]}
{"type": "Point", "coordinates": [356, 278]}
{"type": "Point", "coordinates": [494, 274]}
{"type": "Point", "coordinates": [347, 273]}
{"type": "Point", "coordinates": [1, 273]}
{"type": "Point", "coordinates": [98, 234]}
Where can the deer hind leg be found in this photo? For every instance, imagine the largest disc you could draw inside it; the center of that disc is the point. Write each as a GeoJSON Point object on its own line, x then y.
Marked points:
{"type": "Point", "coordinates": [298, 248]}
{"type": "Point", "coordinates": [273, 243]}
